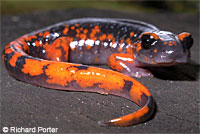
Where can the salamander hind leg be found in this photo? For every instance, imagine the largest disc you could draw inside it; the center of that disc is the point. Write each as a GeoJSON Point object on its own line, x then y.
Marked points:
{"type": "Point", "coordinates": [58, 50]}
{"type": "Point", "coordinates": [126, 64]}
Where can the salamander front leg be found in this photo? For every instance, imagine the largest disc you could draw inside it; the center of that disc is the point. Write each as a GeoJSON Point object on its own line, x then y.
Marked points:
{"type": "Point", "coordinates": [126, 64]}
{"type": "Point", "coordinates": [58, 50]}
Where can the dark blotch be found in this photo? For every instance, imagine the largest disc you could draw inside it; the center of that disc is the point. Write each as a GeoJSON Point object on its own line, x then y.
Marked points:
{"type": "Point", "coordinates": [82, 67]}
{"type": "Point", "coordinates": [45, 67]}
{"type": "Point", "coordinates": [143, 100]}
{"type": "Point", "coordinates": [127, 86]}
{"type": "Point", "coordinates": [6, 59]}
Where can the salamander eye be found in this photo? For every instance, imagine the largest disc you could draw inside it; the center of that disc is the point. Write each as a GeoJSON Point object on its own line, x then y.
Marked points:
{"type": "Point", "coordinates": [147, 41]}
{"type": "Point", "coordinates": [186, 39]}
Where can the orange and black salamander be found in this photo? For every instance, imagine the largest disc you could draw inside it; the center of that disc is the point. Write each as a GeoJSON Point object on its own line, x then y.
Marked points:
{"type": "Point", "coordinates": [53, 57]}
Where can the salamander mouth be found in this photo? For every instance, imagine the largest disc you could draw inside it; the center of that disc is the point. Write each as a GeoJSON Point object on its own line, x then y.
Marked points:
{"type": "Point", "coordinates": [170, 60]}
{"type": "Point", "coordinates": [163, 64]}
{"type": "Point", "coordinates": [172, 63]}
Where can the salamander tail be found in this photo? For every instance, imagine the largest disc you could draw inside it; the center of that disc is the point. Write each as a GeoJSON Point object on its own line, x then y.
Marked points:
{"type": "Point", "coordinates": [137, 117]}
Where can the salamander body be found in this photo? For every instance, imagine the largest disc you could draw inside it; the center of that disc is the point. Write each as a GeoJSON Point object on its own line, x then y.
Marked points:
{"type": "Point", "coordinates": [53, 57]}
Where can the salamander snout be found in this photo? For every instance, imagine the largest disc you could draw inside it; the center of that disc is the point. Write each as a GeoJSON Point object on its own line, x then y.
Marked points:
{"type": "Point", "coordinates": [164, 48]}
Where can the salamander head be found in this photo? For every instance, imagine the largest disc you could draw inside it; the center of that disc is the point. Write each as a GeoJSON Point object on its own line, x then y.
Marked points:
{"type": "Point", "coordinates": [163, 48]}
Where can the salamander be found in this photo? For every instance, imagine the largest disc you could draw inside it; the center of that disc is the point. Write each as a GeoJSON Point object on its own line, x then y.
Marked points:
{"type": "Point", "coordinates": [58, 57]}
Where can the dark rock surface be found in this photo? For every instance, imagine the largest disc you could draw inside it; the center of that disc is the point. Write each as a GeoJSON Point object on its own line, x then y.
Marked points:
{"type": "Point", "coordinates": [175, 89]}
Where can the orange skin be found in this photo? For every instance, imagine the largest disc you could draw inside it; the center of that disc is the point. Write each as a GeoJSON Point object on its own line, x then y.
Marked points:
{"type": "Point", "coordinates": [41, 58]}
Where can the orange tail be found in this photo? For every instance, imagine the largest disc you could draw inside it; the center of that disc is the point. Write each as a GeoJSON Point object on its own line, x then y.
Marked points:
{"type": "Point", "coordinates": [141, 96]}
{"type": "Point", "coordinates": [134, 118]}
